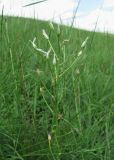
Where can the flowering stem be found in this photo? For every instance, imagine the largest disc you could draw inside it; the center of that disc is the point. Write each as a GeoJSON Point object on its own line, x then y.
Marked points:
{"type": "Point", "coordinates": [52, 48]}
{"type": "Point", "coordinates": [51, 151]}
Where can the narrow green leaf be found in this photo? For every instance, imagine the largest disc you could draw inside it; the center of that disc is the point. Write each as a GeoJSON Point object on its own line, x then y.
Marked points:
{"type": "Point", "coordinates": [34, 3]}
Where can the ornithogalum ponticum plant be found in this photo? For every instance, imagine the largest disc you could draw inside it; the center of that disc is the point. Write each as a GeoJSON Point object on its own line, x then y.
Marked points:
{"type": "Point", "coordinates": [53, 89]}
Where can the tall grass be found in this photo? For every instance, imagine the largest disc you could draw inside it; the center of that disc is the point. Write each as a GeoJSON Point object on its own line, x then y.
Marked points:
{"type": "Point", "coordinates": [57, 111]}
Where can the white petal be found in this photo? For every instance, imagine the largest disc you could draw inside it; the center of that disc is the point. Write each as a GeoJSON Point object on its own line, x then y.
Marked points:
{"type": "Point", "coordinates": [84, 43]}
{"type": "Point", "coordinates": [54, 59]}
{"type": "Point", "coordinates": [51, 25]}
{"type": "Point", "coordinates": [80, 53]}
{"type": "Point", "coordinates": [45, 34]}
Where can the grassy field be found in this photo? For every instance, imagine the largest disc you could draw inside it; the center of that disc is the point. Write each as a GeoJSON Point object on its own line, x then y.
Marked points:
{"type": "Point", "coordinates": [55, 105]}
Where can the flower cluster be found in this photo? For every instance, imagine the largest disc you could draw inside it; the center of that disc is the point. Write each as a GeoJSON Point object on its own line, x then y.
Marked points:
{"type": "Point", "coordinates": [51, 49]}
{"type": "Point", "coordinates": [45, 53]}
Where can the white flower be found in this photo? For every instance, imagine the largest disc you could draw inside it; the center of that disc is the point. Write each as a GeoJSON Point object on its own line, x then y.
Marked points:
{"type": "Point", "coordinates": [41, 89]}
{"type": "Point", "coordinates": [45, 34]}
{"type": "Point", "coordinates": [51, 25]}
{"type": "Point", "coordinates": [49, 137]}
{"type": "Point", "coordinates": [46, 54]}
{"type": "Point", "coordinates": [54, 59]}
{"type": "Point", "coordinates": [80, 53]}
{"type": "Point", "coordinates": [33, 43]}
{"type": "Point", "coordinates": [84, 43]}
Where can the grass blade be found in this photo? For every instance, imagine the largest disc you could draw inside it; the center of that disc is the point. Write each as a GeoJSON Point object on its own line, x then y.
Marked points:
{"type": "Point", "coordinates": [34, 3]}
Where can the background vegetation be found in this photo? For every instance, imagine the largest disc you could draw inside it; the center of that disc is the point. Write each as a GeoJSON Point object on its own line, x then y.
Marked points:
{"type": "Point", "coordinates": [60, 111]}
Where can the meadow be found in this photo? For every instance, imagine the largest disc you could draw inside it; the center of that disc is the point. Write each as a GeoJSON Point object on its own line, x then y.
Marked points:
{"type": "Point", "coordinates": [56, 92]}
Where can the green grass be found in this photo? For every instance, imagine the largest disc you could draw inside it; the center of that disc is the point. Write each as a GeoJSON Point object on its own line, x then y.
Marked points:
{"type": "Point", "coordinates": [55, 112]}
